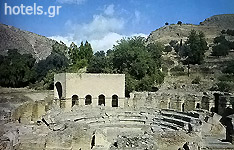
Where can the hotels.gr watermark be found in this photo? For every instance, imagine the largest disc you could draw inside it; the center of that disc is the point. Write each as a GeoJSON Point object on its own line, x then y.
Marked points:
{"type": "Point", "coordinates": [51, 11]}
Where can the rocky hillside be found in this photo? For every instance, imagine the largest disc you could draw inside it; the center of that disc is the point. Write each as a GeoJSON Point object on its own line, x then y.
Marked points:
{"type": "Point", "coordinates": [225, 21]}
{"type": "Point", "coordinates": [210, 70]}
{"type": "Point", "coordinates": [26, 42]}
{"type": "Point", "coordinates": [211, 27]}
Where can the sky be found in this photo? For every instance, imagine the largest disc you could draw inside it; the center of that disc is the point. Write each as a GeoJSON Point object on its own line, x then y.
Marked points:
{"type": "Point", "coordinates": [103, 22]}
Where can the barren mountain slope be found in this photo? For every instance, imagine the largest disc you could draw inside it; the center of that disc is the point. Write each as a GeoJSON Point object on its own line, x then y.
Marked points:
{"type": "Point", "coordinates": [225, 21]}
{"type": "Point", "coordinates": [26, 42]}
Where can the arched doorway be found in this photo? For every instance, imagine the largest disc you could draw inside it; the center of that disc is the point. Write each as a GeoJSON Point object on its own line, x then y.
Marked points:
{"type": "Point", "coordinates": [198, 106]}
{"type": "Point", "coordinates": [58, 86]}
{"type": "Point", "coordinates": [183, 107]}
{"type": "Point", "coordinates": [115, 100]}
{"type": "Point", "coordinates": [101, 100]}
{"type": "Point", "coordinates": [75, 98]}
{"type": "Point", "coordinates": [88, 100]}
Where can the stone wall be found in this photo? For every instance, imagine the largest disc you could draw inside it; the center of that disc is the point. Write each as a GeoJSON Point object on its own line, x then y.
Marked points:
{"type": "Point", "coordinates": [181, 101]}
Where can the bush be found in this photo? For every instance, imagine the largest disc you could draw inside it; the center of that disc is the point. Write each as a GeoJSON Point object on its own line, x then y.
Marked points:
{"type": "Point", "coordinates": [220, 39]}
{"type": "Point", "coordinates": [177, 71]}
{"type": "Point", "coordinates": [230, 32]}
{"type": "Point", "coordinates": [197, 80]}
{"type": "Point", "coordinates": [166, 23]}
{"type": "Point", "coordinates": [167, 49]}
{"type": "Point", "coordinates": [224, 86]}
{"type": "Point", "coordinates": [226, 78]}
{"type": "Point", "coordinates": [223, 32]}
{"type": "Point", "coordinates": [177, 68]}
{"type": "Point", "coordinates": [220, 50]}
{"type": "Point", "coordinates": [179, 22]}
{"type": "Point", "coordinates": [229, 68]}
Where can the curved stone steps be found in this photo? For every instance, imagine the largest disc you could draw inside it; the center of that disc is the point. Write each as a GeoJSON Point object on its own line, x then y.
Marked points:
{"type": "Point", "coordinates": [190, 114]}
{"type": "Point", "coordinates": [178, 122]}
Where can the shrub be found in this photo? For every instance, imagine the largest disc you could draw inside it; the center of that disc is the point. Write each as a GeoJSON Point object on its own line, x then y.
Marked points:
{"type": "Point", "coordinates": [167, 49]}
{"type": "Point", "coordinates": [220, 39]}
{"type": "Point", "coordinates": [177, 71]}
{"type": "Point", "coordinates": [229, 69]}
{"type": "Point", "coordinates": [173, 43]}
{"type": "Point", "coordinates": [179, 22]}
{"type": "Point", "coordinates": [230, 32]}
{"type": "Point", "coordinates": [197, 80]}
{"type": "Point", "coordinates": [224, 86]}
{"type": "Point", "coordinates": [223, 32]}
{"type": "Point", "coordinates": [220, 50]}
{"type": "Point", "coordinates": [177, 68]}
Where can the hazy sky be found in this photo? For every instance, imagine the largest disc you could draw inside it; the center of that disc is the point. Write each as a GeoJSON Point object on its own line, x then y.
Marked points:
{"type": "Point", "coordinates": [102, 22]}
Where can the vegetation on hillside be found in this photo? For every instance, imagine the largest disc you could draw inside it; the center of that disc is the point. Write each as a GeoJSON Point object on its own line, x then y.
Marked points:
{"type": "Point", "coordinates": [194, 48]}
{"type": "Point", "coordinates": [140, 63]}
{"type": "Point", "coordinates": [17, 70]}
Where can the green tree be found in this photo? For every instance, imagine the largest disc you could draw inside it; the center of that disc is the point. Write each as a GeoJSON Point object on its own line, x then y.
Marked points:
{"type": "Point", "coordinates": [222, 46]}
{"type": "Point", "coordinates": [85, 51]}
{"type": "Point", "coordinates": [98, 63]}
{"type": "Point", "coordinates": [79, 56]}
{"type": "Point", "coordinates": [179, 23]}
{"type": "Point", "coordinates": [229, 69]}
{"type": "Point", "coordinates": [194, 48]}
{"type": "Point", "coordinates": [220, 39]}
{"type": "Point", "coordinates": [220, 50]}
{"type": "Point", "coordinates": [140, 62]}
{"type": "Point", "coordinates": [55, 61]}
{"type": "Point", "coordinates": [17, 70]}
{"type": "Point", "coordinates": [73, 53]}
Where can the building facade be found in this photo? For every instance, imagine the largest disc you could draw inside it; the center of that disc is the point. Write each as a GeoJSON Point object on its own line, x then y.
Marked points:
{"type": "Point", "coordinates": [89, 89]}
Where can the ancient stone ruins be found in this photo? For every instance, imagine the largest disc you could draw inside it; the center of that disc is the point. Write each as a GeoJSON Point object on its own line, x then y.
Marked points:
{"type": "Point", "coordinates": [90, 111]}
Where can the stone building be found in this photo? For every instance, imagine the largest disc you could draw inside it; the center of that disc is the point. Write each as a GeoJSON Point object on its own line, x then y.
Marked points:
{"type": "Point", "coordinates": [89, 89]}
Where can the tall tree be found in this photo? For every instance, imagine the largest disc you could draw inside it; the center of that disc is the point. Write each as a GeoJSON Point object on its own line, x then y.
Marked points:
{"type": "Point", "coordinates": [73, 53]}
{"type": "Point", "coordinates": [140, 62]}
{"type": "Point", "coordinates": [194, 48]}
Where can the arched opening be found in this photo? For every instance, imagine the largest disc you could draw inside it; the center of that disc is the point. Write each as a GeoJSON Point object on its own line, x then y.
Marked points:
{"type": "Point", "coordinates": [93, 142]}
{"type": "Point", "coordinates": [205, 103]}
{"type": "Point", "coordinates": [169, 105]}
{"type": "Point", "coordinates": [88, 100]}
{"type": "Point", "coordinates": [58, 86]}
{"type": "Point", "coordinates": [198, 106]}
{"type": "Point", "coordinates": [183, 107]}
{"type": "Point", "coordinates": [216, 95]}
{"type": "Point", "coordinates": [101, 100]}
{"type": "Point", "coordinates": [115, 102]}
{"type": "Point", "coordinates": [74, 99]}
{"type": "Point", "coordinates": [185, 146]}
